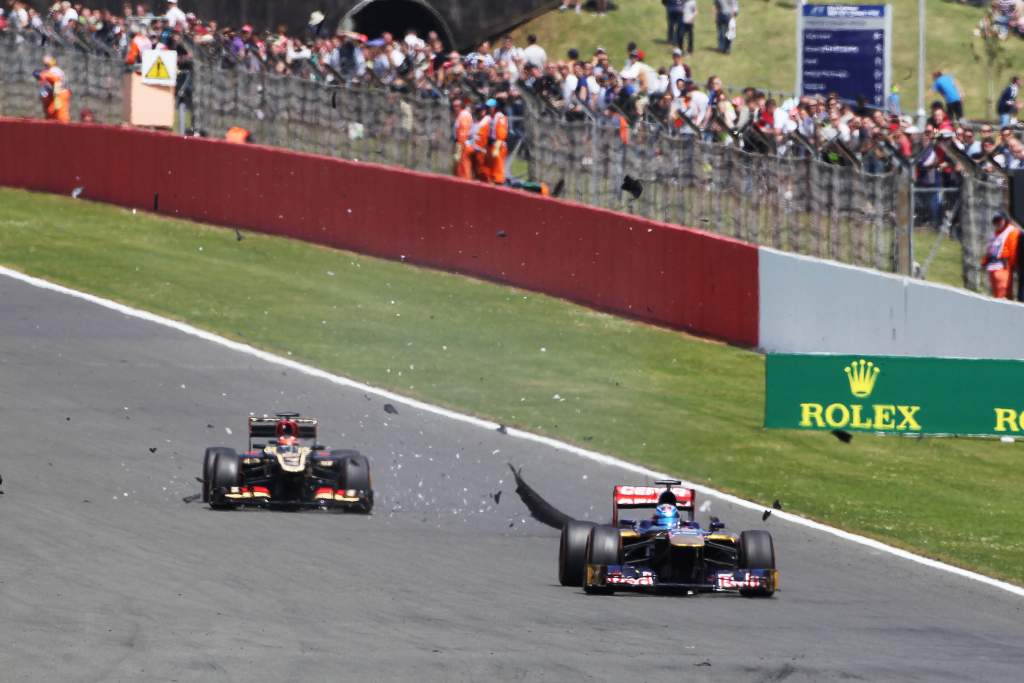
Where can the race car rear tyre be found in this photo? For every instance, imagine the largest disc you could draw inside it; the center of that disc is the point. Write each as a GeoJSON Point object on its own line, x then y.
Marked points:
{"type": "Point", "coordinates": [604, 546]}
{"type": "Point", "coordinates": [572, 552]}
{"type": "Point", "coordinates": [354, 473]}
{"type": "Point", "coordinates": [756, 551]}
{"type": "Point", "coordinates": [208, 458]}
{"type": "Point", "coordinates": [225, 475]}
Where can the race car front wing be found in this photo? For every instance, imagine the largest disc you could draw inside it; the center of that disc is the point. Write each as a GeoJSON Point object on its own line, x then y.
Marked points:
{"type": "Point", "coordinates": [626, 577]}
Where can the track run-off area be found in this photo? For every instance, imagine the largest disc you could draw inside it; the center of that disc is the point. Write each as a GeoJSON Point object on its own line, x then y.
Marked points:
{"type": "Point", "coordinates": [108, 575]}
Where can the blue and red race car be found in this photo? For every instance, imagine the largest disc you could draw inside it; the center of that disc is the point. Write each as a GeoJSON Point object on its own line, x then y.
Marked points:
{"type": "Point", "coordinates": [668, 550]}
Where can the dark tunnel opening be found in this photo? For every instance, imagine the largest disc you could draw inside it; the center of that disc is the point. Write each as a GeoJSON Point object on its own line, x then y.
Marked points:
{"type": "Point", "coordinates": [396, 17]}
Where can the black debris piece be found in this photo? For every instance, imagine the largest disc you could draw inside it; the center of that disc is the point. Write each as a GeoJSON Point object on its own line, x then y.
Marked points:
{"type": "Point", "coordinates": [496, 497]}
{"type": "Point", "coordinates": [200, 480]}
{"type": "Point", "coordinates": [776, 504]}
{"type": "Point", "coordinates": [844, 436]}
{"type": "Point", "coordinates": [541, 510]}
{"type": "Point", "coordinates": [68, 419]}
{"type": "Point", "coordinates": [209, 426]}
{"type": "Point", "coordinates": [86, 500]}
{"type": "Point", "coordinates": [152, 449]}
{"type": "Point", "coordinates": [193, 498]}
{"type": "Point", "coordinates": [390, 409]}
{"type": "Point", "coordinates": [502, 429]}
{"type": "Point", "coordinates": [765, 515]}
{"type": "Point", "coordinates": [632, 186]}
{"type": "Point", "coordinates": [238, 235]}
{"type": "Point", "coordinates": [502, 233]}
{"type": "Point", "coordinates": [704, 663]}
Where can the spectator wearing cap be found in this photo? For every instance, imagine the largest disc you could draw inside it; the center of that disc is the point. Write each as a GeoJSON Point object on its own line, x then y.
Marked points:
{"type": "Point", "coordinates": [1000, 260]}
{"type": "Point", "coordinates": [679, 72]}
{"type": "Point", "coordinates": [949, 88]}
{"type": "Point", "coordinates": [1008, 107]}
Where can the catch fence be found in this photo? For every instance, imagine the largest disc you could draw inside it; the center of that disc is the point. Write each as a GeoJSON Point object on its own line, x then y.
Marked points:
{"type": "Point", "coordinates": [94, 79]}
{"type": "Point", "coordinates": [789, 202]}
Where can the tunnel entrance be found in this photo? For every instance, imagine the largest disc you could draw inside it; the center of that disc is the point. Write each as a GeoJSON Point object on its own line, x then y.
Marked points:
{"type": "Point", "coordinates": [374, 17]}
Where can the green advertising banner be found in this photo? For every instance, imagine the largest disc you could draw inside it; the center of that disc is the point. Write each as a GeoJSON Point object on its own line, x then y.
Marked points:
{"type": "Point", "coordinates": [895, 394]}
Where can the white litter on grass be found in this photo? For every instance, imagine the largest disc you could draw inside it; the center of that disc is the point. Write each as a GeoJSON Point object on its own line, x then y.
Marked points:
{"type": "Point", "coordinates": [1007, 439]}
{"type": "Point", "coordinates": [593, 456]}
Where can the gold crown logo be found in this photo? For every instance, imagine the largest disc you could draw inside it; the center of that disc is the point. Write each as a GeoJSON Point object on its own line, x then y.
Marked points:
{"type": "Point", "coordinates": [862, 375]}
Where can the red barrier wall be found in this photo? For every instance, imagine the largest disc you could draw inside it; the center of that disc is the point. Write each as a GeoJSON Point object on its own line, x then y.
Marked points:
{"type": "Point", "coordinates": [665, 274]}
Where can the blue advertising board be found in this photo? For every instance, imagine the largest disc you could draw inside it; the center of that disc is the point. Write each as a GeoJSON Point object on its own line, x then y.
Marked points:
{"type": "Point", "coordinates": [845, 49]}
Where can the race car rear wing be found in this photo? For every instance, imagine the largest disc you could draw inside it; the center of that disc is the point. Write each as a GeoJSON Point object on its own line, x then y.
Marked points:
{"type": "Point", "coordinates": [270, 427]}
{"type": "Point", "coordinates": [669, 491]}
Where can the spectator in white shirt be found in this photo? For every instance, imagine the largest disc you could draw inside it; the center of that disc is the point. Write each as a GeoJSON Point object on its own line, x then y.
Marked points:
{"type": "Point", "coordinates": [689, 16]}
{"type": "Point", "coordinates": [175, 18]}
{"type": "Point", "coordinates": [679, 72]}
{"type": "Point", "coordinates": [534, 53]}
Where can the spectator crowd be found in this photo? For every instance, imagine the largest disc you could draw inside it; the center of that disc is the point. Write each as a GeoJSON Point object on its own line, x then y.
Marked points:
{"type": "Point", "coordinates": [627, 94]}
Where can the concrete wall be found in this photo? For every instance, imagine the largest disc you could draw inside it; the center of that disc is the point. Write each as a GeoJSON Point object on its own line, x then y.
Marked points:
{"type": "Point", "coordinates": [661, 273]}
{"type": "Point", "coordinates": [812, 306]}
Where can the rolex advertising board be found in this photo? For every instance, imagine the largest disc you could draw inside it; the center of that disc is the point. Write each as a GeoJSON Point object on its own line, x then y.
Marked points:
{"type": "Point", "coordinates": [895, 394]}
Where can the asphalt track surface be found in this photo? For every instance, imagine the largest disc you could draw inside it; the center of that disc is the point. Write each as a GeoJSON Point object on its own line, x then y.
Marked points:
{"type": "Point", "coordinates": [106, 574]}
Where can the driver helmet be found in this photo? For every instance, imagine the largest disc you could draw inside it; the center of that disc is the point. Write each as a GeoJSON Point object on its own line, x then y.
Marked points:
{"type": "Point", "coordinates": [287, 443]}
{"type": "Point", "coordinates": [666, 516]}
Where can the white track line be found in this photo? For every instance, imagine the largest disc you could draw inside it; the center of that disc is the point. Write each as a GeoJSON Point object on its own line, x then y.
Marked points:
{"type": "Point", "coordinates": [517, 433]}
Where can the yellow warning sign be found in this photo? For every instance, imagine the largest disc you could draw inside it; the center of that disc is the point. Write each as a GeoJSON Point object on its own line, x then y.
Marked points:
{"type": "Point", "coordinates": [158, 71]}
{"type": "Point", "coordinates": [159, 67]}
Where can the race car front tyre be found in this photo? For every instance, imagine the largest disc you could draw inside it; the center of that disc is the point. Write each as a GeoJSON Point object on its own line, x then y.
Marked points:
{"type": "Point", "coordinates": [354, 473]}
{"type": "Point", "coordinates": [225, 475]}
{"type": "Point", "coordinates": [208, 458]}
{"type": "Point", "coordinates": [756, 551]}
{"type": "Point", "coordinates": [604, 547]}
{"type": "Point", "coordinates": [572, 552]}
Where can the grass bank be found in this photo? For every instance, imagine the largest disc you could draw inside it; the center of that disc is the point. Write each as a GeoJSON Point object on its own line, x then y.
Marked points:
{"type": "Point", "coordinates": [678, 403]}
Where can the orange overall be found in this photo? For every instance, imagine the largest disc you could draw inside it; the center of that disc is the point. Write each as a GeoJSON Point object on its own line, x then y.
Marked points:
{"type": "Point", "coordinates": [463, 156]}
{"type": "Point", "coordinates": [481, 137]}
{"type": "Point", "coordinates": [499, 148]}
{"type": "Point", "coordinates": [1001, 261]}
{"type": "Point", "coordinates": [57, 103]}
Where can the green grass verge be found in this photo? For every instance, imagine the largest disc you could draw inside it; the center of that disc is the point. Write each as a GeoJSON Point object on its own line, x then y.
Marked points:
{"type": "Point", "coordinates": [944, 262]}
{"type": "Point", "coordinates": [677, 403]}
{"type": "Point", "coordinates": [764, 53]}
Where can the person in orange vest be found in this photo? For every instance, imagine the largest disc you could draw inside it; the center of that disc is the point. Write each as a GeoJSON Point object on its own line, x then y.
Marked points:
{"type": "Point", "coordinates": [461, 129]}
{"type": "Point", "coordinates": [480, 137]}
{"type": "Point", "coordinates": [238, 135]}
{"type": "Point", "coordinates": [1000, 258]}
{"type": "Point", "coordinates": [498, 143]}
{"type": "Point", "coordinates": [619, 121]}
{"type": "Point", "coordinates": [139, 42]}
{"type": "Point", "coordinates": [54, 93]}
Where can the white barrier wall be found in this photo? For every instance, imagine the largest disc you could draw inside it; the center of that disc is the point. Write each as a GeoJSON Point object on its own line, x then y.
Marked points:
{"type": "Point", "coordinates": [808, 305]}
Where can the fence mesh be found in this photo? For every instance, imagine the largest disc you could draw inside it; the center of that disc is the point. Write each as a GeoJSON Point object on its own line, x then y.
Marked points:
{"type": "Point", "coordinates": [357, 122]}
{"type": "Point", "coordinates": [980, 198]}
{"type": "Point", "coordinates": [794, 204]}
{"type": "Point", "coordinates": [94, 80]}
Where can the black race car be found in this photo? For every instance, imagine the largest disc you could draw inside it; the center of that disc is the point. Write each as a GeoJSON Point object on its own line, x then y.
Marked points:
{"type": "Point", "coordinates": [286, 469]}
{"type": "Point", "coordinates": [667, 551]}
